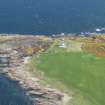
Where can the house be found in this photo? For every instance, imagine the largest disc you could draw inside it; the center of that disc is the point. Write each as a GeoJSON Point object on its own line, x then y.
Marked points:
{"type": "Point", "coordinates": [63, 45]}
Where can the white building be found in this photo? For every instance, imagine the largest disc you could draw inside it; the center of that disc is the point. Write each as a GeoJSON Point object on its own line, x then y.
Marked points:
{"type": "Point", "coordinates": [63, 45]}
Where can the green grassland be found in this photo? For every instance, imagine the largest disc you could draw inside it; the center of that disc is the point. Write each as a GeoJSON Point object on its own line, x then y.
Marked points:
{"type": "Point", "coordinates": [83, 73]}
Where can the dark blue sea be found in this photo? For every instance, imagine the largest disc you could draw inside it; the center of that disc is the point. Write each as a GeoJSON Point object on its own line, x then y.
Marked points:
{"type": "Point", "coordinates": [51, 16]}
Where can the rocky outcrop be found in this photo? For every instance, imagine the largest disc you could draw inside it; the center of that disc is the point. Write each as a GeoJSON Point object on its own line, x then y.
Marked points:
{"type": "Point", "coordinates": [39, 94]}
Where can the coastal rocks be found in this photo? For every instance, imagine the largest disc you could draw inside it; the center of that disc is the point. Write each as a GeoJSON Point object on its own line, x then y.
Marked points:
{"type": "Point", "coordinates": [40, 95]}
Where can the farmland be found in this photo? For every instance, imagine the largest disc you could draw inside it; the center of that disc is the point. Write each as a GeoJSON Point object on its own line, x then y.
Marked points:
{"type": "Point", "coordinates": [81, 71]}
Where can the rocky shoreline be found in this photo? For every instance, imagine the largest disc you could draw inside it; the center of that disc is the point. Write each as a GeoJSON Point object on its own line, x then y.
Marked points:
{"type": "Point", "coordinates": [39, 94]}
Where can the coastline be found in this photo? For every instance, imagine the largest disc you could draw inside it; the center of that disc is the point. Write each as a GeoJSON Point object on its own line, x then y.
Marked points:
{"type": "Point", "coordinates": [39, 94]}
{"type": "Point", "coordinates": [20, 48]}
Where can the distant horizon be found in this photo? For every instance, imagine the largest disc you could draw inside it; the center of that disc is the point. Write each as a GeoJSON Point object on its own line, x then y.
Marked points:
{"type": "Point", "coordinates": [51, 17]}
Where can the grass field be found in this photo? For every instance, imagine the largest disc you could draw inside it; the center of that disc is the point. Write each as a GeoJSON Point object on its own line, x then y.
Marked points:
{"type": "Point", "coordinates": [78, 71]}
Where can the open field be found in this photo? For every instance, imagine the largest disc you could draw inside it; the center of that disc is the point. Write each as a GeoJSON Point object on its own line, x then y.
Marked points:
{"type": "Point", "coordinates": [84, 72]}
{"type": "Point", "coordinates": [79, 69]}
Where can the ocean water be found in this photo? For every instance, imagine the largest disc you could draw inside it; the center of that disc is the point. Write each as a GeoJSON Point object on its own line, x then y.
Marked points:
{"type": "Point", "coordinates": [51, 16]}
{"type": "Point", "coordinates": [11, 93]}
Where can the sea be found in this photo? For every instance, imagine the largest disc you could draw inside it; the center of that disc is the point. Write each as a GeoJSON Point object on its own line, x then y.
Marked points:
{"type": "Point", "coordinates": [11, 92]}
{"type": "Point", "coordinates": [46, 17]}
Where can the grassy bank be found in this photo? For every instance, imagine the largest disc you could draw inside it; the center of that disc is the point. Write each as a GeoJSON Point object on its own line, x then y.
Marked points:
{"type": "Point", "coordinates": [82, 72]}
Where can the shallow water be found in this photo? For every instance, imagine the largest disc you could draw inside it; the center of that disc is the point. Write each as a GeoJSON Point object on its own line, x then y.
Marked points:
{"type": "Point", "coordinates": [11, 93]}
